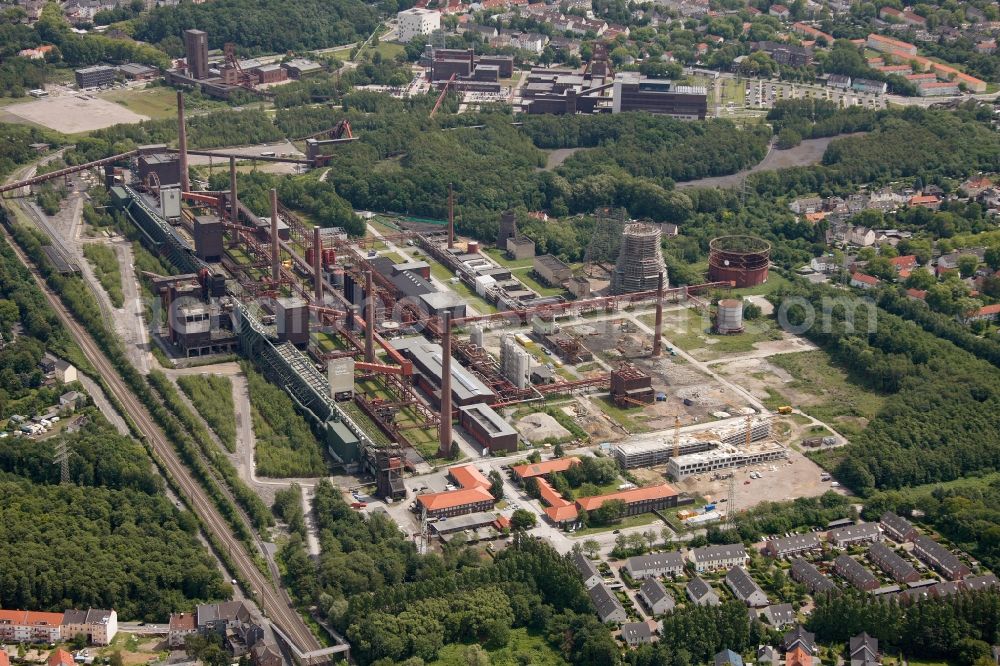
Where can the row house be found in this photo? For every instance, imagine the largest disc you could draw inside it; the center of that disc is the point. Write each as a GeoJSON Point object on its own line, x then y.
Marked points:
{"type": "Point", "coordinates": [854, 573]}
{"type": "Point", "coordinates": [792, 545]}
{"type": "Point", "coordinates": [899, 529]}
{"type": "Point", "coordinates": [935, 555]}
{"type": "Point", "coordinates": [701, 593]}
{"type": "Point", "coordinates": [714, 558]}
{"type": "Point", "coordinates": [18, 626]}
{"type": "Point", "coordinates": [745, 588]}
{"type": "Point", "coordinates": [805, 573]}
{"type": "Point", "coordinates": [586, 568]}
{"type": "Point", "coordinates": [854, 534]}
{"type": "Point", "coordinates": [655, 597]}
{"type": "Point", "coordinates": [655, 565]}
{"type": "Point", "coordinates": [891, 563]}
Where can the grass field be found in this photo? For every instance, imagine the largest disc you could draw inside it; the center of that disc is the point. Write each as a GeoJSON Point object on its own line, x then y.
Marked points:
{"type": "Point", "coordinates": [105, 264]}
{"type": "Point", "coordinates": [630, 521]}
{"type": "Point", "coordinates": [156, 102]}
{"type": "Point", "coordinates": [691, 331]}
{"type": "Point", "coordinates": [212, 396]}
{"type": "Point", "coordinates": [823, 390]}
{"type": "Point", "coordinates": [524, 647]}
{"type": "Point", "coordinates": [627, 418]}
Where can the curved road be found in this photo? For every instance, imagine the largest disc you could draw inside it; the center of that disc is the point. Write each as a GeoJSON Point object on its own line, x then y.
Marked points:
{"type": "Point", "coordinates": [273, 603]}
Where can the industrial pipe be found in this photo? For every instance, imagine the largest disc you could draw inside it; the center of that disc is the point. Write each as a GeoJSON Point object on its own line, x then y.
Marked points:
{"type": "Point", "coordinates": [451, 217]}
{"type": "Point", "coordinates": [182, 143]}
{"type": "Point", "coordinates": [658, 325]}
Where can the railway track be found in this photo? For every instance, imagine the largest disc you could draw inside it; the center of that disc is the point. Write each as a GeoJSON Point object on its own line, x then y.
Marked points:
{"type": "Point", "coordinates": [273, 602]}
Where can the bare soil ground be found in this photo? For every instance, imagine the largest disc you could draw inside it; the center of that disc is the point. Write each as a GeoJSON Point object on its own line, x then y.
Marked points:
{"type": "Point", "coordinates": [539, 426]}
{"type": "Point", "coordinates": [796, 477]}
{"type": "Point", "coordinates": [76, 113]}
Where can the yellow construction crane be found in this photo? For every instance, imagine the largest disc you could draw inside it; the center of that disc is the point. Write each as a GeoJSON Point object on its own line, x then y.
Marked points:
{"type": "Point", "coordinates": [677, 435]}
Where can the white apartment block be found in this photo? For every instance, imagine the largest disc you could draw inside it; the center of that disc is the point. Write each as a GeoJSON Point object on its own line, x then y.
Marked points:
{"type": "Point", "coordinates": [417, 21]}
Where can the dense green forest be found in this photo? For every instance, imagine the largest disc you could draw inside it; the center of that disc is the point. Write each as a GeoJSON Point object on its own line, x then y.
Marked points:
{"type": "Point", "coordinates": [212, 396]}
{"type": "Point", "coordinates": [141, 553]}
{"type": "Point", "coordinates": [285, 444]}
{"type": "Point", "coordinates": [959, 628]}
{"type": "Point", "coordinates": [395, 604]}
{"type": "Point", "coordinates": [263, 26]}
{"type": "Point", "coordinates": [937, 423]}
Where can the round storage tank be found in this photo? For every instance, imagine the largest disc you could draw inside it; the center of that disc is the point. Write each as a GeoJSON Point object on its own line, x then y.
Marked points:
{"type": "Point", "coordinates": [729, 318]}
{"type": "Point", "coordinates": [472, 247]}
{"type": "Point", "coordinates": [476, 336]}
{"type": "Point", "coordinates": [741, 260]}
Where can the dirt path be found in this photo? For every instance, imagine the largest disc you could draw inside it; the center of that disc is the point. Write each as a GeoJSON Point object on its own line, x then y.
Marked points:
{"type": "Point", "coordinates": [555, 158]}
{"type": "Point", "coordinates": [807, 153]}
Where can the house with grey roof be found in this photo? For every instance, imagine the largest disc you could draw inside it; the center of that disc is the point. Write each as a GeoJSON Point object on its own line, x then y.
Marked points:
{"type": "Point", "coordinates": [588, 571]}
{"type": "Point", "coordinates": [701, 593]}
{"type": "Point", "coordinates": [854, 573]}
{"type": "Point", "coordinates": [779, 615]}
{"type": "Point", "coordinates": [636, 633]}
{"type": "Point", "coordinates": [655, 565]}
{"type": "Point", "coordinates": [745, 588]}
{"type": "Point", "coordinates": [897, 528]}
{"type": "Point", "coordinates": [768, 655]}
{"type": "Point", "coordinates": [655, 597]}
{"type": "Point", "coordinates": [713, 558]}
{"type": "Point", "coordinates": [609, 609]}
{"type": "Point", "coordinates": [728, 657]}
{"type": "Point", "coordinates": [889, 561]}
{"type": "Point", "coordinates": [805, 573]}
{"type": "Point", "coordinates": [854, 534]}
{"type": "Point", "coordinates": [799, 638]}
{"type": "Point", "coordinates": [793, 545]}
{"type": "Point", "coordinates": [863, 650]}
{"type": "Point", "coordinates": [977, 583]}
{"type": "Point", "coordinates": [940, 558]}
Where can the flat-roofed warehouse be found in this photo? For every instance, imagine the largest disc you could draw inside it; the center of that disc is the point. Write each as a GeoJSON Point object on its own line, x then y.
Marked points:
{"type": "Point", "coordinates": [487, 427]}
{"type": "Point", "coordinates": [466, 388]}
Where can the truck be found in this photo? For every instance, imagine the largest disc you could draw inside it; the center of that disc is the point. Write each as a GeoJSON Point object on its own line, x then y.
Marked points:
{"type": "Point", "coordinates": [709, 507]}
{"type": "Point", "coordinates": [785, 409]}
{"type": "Point", "coordinates": [358, 505]}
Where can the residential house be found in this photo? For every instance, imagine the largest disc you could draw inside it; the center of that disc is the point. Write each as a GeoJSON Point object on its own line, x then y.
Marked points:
{"type": "Point", "coordinates": [701, 593]}
{"type": "Point", "coordinates": [18, 626]}
{"type": "Point", "coordinates": [899, 529]}
{"type": "Point", "coordinates": [745, 588]}
{"type": "Point", "coordinates": [655, 597]}
{"type": "Point", "coordinates": [655, 565]}
{"type": "Point", "coordinates": [713, 558]}
{"type": "Point", "coordinates": [863, 236]}
{"type": "Point", "coordinates": [637, 500]}
{"type": "Point", "coordinates": [984, 582]}
{"type": "Point", "coordinates": [863, 281]}
{"type": "Point", "coordinates": [985, 313]}
{"type": "Point", "coordinates": [854, 534]}
{"type": "Point", "coordinates": [806, 205]}
{"type": "Point", "coordinates": [181, 626]}
{"type": "Point", "coordinates": [266, 653]}
{"type": "Point", "coordinates": [99, 626]}
{"type": "Point", "coordinates": [728, 658]}
{"type": "Point", "coordinates": [779, 615]}
{"type": "Point", "coordinates": [946, 589]}
{"type": "Point", "coordinates": [929, 201]}
{"type": "Point", "coordinates": [71, 400]}
{"type": "Point", "coordinates": [793, 545]}
{"type": "Point", "coordinates": [780, 11]}
{"type": "Point", "coordinates": [768, 655]}
{"type": "Point", "coordinates": [636, 633]}
{"type": "Point", "coordinates": [609, 609]}
{"type": "Point", "coordinates": [64, 371]}
{"type": "Point", "coordinates": [588, 572]}
{"type": "Point", "coordinates": [799, 638]}
{"type": "Point", "coordinates": [917, 294]}
{"type": "Point", "coordinates": [904, 265]}
{"type": "Point", "coordinates": [891, 563]}
{"type": "Point", "coordinates": [854, 573]}
{"type": "Point", "coordinates": [838, 81]}
{"type": "Point", "coordinates": [863, 650]}
{"type": "Point", "coordinates": [805, 573]}
{"type": "Point", "coordinates": [940, 558]}
{"type": "Point", "coordinates": [60, 657]}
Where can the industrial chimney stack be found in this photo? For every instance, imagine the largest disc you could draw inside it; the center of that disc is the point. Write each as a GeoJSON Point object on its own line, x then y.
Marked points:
{"type": "Point", "coordinates": [444, 432]}
{"type": "Point", "coordinates": [182, 143]}
{"type": "Point", "coordinates": [275, 248]}
{"type": "Point", "coordinates": [369, 318]}
{"type": "Point", "coordinates": [658, 325]}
